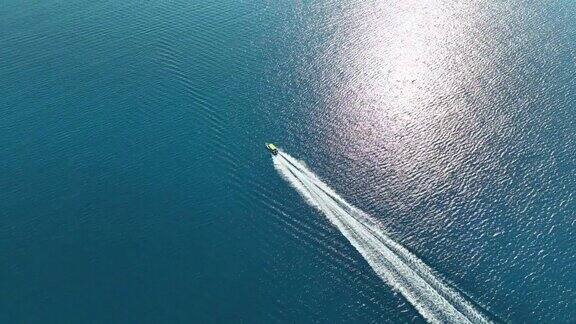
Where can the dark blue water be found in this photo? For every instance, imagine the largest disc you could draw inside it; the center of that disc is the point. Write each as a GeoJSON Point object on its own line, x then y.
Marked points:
{"type": "Point", "coordinates": [134, 184]}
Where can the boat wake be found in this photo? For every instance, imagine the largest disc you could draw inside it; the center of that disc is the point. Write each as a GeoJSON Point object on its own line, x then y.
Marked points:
{"type": "Point", "coordinates": [432, 297]}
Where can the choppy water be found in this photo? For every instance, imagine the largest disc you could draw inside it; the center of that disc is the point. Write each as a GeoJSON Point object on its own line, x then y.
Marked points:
{"type": "Point", "coordinates": [134, 184]}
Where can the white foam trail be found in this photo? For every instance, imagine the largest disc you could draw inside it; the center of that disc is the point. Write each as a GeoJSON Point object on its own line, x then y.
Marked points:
{"type": "Point", "coordinates": [403, 271]}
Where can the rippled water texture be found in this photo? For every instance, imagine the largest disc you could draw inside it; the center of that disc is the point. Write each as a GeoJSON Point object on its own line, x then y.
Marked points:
{"type": "Point", "coordinates": [135, 187]}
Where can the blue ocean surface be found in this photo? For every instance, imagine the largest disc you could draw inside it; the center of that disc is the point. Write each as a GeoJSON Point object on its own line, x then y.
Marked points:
{"type": "Point", "coordinates": [135, 186]}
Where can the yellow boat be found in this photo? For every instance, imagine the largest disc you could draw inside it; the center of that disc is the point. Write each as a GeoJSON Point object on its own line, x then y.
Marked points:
{"type": "Point", "coordinates": [272, 148]}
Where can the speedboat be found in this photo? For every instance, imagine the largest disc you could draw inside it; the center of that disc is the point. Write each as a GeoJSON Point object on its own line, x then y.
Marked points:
{"type": "Point", "coordinates": [272, 148]}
